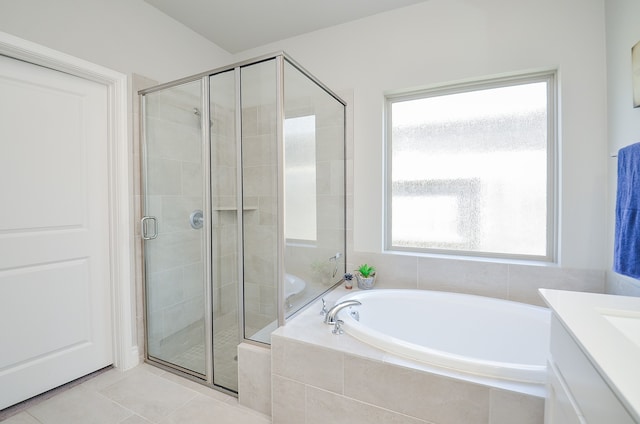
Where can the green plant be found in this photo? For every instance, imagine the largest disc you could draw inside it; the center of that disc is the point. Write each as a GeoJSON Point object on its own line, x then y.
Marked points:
{"type": "Point", "coordinates": [366, 270]}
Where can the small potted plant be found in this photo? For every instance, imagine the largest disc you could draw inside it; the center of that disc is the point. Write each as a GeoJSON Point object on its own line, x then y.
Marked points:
{"type": "Point", "coordinates": [348, 281]}
{"type": "Point", "coordinates": [366, 276]}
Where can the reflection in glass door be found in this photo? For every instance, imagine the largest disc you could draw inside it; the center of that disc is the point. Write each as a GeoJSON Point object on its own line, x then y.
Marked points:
{"type": "Point", "coordinates": [174, 227]}
{"type": "Point", "coordinates": [314, 187]}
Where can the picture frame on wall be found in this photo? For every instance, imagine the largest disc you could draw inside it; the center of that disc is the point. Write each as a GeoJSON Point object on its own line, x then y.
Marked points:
{"type": "Point", "coordinates": [635, 65]}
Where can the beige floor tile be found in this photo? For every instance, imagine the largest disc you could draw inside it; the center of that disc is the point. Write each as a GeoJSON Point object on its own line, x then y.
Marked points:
{"type": "Point", "coordinates": [21, 418]}
{"type": "Point", "coordinates": [135, 419]}
{"type": "Point", "coordinates": [205, 410]}
{"type": "Point", "coordinates": [200, 388]}
{"type": "Point", "coordinates": [143, 395]}
{"type": "Point", "coordinates": [79, 405]}
{"type": "Point", "coordinates": [148, 395]}
{"type": "Point", "coordinates": [105, 379]}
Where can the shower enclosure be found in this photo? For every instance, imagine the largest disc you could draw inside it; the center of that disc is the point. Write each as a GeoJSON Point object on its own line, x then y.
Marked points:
{"type": "Point", "coordinates": [244, 210]}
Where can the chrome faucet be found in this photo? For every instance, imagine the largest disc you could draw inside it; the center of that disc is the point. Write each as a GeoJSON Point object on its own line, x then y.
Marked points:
{"type": "Point", "coordinates": [330, 318]}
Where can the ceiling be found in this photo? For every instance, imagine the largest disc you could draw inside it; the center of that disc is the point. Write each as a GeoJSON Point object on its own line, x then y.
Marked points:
{"type": "Point", "coordinates": [238, 25]}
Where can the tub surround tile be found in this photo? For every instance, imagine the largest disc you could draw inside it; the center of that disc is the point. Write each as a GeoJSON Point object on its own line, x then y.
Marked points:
{"type": "Point", "coordinates": [502, 280]}
{"type": "Point", "coordinates": [509, 407]}
{"type": "Point", "coordinates": [254, 378]}
{"type": "Point", "coordinates": [325, 407]}
{"type": "Point", "coordinates": [420, 395]}
{"type": "Point", "coordinates": [526, 389]}
{"type": "Point", "coordinates": [393, 271]}
{"type": "Point", "coordinates": [464, 276]}
{"type": "Point", "coordinates": [525, 280]}
{"type": "Point", "coordinates": [308, 364]}
{"type": "Point", "coordinates": [289, 405]}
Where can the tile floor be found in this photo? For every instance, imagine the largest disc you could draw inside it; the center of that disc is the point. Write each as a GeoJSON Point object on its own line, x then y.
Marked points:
{"type": "Point", "coordinates": [142, 395]}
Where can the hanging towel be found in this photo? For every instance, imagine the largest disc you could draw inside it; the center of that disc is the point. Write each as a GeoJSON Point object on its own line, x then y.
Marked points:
{"type": "Point", "coordinates": [626, 248]}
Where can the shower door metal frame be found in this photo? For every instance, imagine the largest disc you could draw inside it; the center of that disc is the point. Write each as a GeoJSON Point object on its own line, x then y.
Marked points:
{"type": "Point", "coordinates": [208, 235]}
{"type": "Point", "coordinates": [169, 366]}
{"type": "Point", "coordinates": [281, 240]}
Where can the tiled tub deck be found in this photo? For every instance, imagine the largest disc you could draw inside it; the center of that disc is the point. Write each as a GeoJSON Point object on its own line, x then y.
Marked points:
{"type": "Point", "coordinates": [318, 377]}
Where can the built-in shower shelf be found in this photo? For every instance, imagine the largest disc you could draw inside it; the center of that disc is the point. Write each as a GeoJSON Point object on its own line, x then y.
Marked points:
{"type": "Point", "coordinates": [233, 209]}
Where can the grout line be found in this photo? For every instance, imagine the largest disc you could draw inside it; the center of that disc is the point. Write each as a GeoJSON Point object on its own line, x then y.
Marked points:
{"type": "Point", "coordinates": [165, 380]}
{"type": "Point", "coordinates": [31, 415]}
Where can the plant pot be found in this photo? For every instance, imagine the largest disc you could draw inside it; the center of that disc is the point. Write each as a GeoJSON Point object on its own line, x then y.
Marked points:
{"type": "Point", "coordinates": [365, 283]}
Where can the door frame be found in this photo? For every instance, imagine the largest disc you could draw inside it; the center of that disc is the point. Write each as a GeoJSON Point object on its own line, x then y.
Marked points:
{"type": "Point", "coordinates": [121, 235]}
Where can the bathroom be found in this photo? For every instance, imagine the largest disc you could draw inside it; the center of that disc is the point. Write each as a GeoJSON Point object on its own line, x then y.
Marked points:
{"type": "Point", "coordinates": [423, 45]}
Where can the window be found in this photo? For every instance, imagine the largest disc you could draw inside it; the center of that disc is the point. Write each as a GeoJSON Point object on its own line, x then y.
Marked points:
{"type": "Point", "coordinates": [470, 169]}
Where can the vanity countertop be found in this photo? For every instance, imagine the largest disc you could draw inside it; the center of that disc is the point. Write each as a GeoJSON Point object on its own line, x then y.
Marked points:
{"type": "Point", "coordinates": [607, 328]}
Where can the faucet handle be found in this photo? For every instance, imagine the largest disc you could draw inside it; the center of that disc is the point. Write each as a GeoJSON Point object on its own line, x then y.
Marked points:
{"type": "Point", "coordinates": [338, 327]}
{"type": "Point", "coordinates": [324, 311]}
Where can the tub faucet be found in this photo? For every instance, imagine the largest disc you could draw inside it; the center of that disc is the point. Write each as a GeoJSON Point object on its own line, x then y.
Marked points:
{"type": "Point", "coordinates": [324, 311]}
{"type": "Point", "coordinates": [330, 318]}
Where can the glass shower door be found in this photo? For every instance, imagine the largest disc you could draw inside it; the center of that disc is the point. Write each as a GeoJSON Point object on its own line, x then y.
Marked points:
{"type": "Point", "coordinates": [224, 226]}
{"type": "Point", "coordinates": [314, 189]}
{"type": "Point", "coordinates": [174, 227]}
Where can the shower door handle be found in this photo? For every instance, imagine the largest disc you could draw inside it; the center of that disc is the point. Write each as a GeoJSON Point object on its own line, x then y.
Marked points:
{"type": "Point", "coordinates": [143, 227]}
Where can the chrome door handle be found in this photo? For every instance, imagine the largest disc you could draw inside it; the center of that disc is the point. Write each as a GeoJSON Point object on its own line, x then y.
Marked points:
{"type": "Point", "coordinates": [143, 227]}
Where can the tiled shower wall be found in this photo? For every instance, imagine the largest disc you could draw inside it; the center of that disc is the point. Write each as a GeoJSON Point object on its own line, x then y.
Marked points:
{"type": "Point", "coordinates": [224, 220]}
{"type": "Point", "coordinates": [260, 180]}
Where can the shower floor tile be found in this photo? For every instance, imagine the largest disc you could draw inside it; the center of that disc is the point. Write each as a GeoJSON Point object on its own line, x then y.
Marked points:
{"type": "Point", "coordinates": [225, 351]}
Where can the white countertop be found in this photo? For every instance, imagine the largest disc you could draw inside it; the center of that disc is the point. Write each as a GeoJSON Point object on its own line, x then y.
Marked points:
{"type": "Point", "coordinates": [607, 328]}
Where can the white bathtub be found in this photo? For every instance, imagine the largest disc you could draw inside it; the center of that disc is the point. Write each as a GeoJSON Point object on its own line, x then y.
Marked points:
{"type": "Point", "coordinates": [471, 334]}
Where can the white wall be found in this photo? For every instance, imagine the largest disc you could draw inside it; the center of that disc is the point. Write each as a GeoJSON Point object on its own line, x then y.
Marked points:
{"type": "Point", "coordinates": [431, 43]}
{"type": "Point", "coordinates": [623, 32]}
{"type": "Point", "coordinates": [443, 41]}
{"type": "Point", "coordinates": [128, 36]}
{"type": "Point", "coordinates": [124, 35]}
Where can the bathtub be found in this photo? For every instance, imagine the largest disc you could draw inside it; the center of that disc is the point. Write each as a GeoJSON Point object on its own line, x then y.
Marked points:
{"type": "Point", "coordinates": [465, 333]}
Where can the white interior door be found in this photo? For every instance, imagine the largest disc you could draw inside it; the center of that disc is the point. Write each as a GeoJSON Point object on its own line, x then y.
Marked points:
{"type": "Point", "coordinates": [55, 300]}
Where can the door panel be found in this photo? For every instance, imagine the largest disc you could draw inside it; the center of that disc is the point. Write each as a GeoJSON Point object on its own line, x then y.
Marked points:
{"type": "Point", "coordinates": [174, 260]}
{"type": "Point", "coordinates": [55, 308]}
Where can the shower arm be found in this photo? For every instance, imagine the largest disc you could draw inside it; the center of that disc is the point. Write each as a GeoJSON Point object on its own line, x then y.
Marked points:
{"type": "Point", "coordinates": [335, 258]}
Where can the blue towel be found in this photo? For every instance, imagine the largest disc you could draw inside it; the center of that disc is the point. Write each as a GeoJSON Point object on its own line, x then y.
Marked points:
{"type": "Point", "coordinates": [626, 247]}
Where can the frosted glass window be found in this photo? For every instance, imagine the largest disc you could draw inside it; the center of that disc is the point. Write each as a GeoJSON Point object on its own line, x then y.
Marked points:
{"type": "Point", "coordinates": [300, 178]}
{"type": "Point", "coordinates": [470, 169]}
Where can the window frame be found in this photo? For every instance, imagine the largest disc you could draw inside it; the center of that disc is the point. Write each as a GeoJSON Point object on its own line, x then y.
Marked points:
{"type": "Point", "coordinates": [552, 215]}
